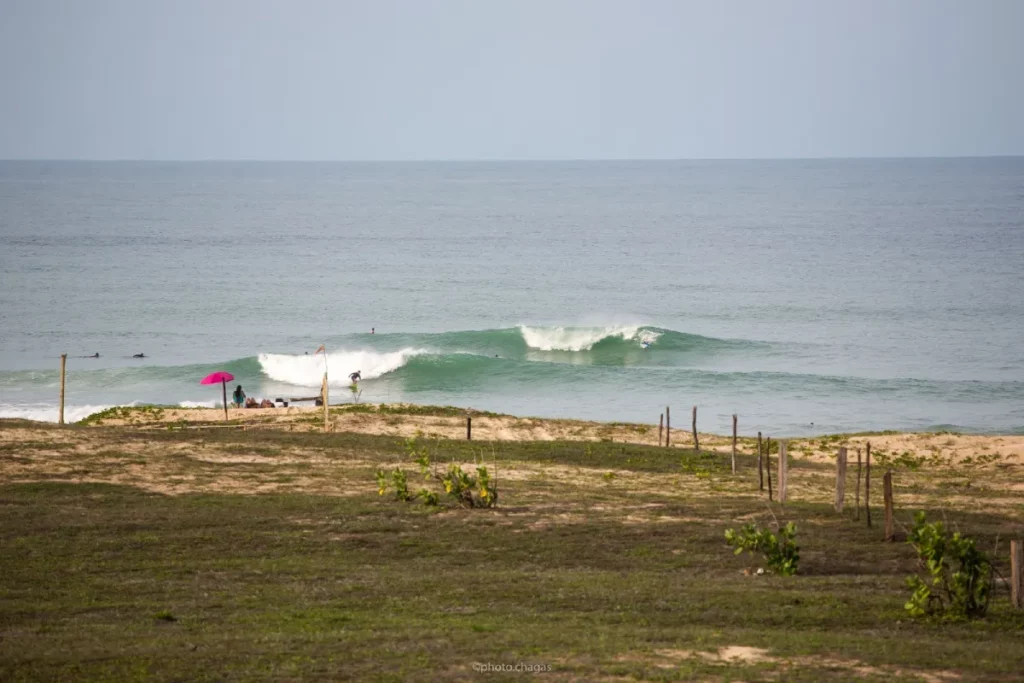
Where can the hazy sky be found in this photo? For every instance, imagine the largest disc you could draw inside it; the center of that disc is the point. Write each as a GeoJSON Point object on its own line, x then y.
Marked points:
{"type": "Point", "coordinates": [497, 79]}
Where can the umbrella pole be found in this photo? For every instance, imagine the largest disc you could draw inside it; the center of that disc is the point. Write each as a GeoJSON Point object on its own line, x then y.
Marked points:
{"type": "Point", "coordinates": [224, 392]}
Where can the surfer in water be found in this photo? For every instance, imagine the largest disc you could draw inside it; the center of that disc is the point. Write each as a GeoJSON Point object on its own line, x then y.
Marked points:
{"type": "Point", "coordinates": [356, 376]}
{"type": "Point", "coordinates": [139, 355]}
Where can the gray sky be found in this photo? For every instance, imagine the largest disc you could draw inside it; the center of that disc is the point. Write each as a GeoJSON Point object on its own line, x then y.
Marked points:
{"type": "Point", "coordinates": [516, 79]}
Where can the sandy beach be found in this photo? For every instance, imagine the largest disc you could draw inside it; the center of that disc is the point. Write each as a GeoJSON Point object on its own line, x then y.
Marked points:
{"type": "Point", "coordinates": [403, 420]}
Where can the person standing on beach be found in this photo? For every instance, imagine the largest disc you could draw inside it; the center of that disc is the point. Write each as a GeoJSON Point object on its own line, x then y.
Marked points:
{"type": "Point", "coordinates": [239, 396]}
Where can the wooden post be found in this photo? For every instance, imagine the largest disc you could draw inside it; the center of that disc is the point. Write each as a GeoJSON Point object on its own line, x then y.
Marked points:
{"type": "Point", "coordinates": [469, 428]}
{"type": "Point", "coordinates": [890, 531]}
{"type": "Point", "coordinates": [696, 442]}
{"type": "Point", "coordinates": [224, 397]}
{"type": "Point", "coordinates": [668, 427]}
{"type": "Point", "coordinates": [326, 401]}
{"type": "Point", "coordinates": [760, 472]}
{"type": "Point", "coordinates": [63, 363]}
{"type": "Point", "coordinates": [867, 482]}
{"type": "Point", "coordinates": [1017, 574]}
{"type": "Point", "coordinates": [856, 501]}
{"type": "Point", "coordinates": [661, 426]}
{"type": "Point", "coordinates": [734, 443]}
{"type": "Point", "coordinates": [840, 478]}
{"type": "Point", "coordinates": [768, 464]}
{"type": "Point", "coordinates": [783, 471]}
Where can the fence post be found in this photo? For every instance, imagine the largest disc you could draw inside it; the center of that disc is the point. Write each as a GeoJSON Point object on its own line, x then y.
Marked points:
{"type": "Point", "coordinates": [783, 471]}
{"type": "Point", "coordinates": [840, 479]}
{"type": "Point", "coordinates": [768, 464]}
{"type": "Point", "coordinates": [63, 363]}
{"type": "Point", "coordinates": [696, 442]}
{"type": "Point", "coordinates": [867, 482]}
{"type": "Point", "coordinates": [661, 426]}
{"type": "Point", "coordinates": [734, 443]}
{"type": "Point", "coordinates": [760, 472]}
{"type": "Point", "coordinates": [668, 427]}
{"type": "Point", "coordinates": [1017, 574]}
{"type": "Point", "coordinates": [856, 501]}
{"type": "Point", "coordinates": [469, 428]}
{"type": "Point", "coordinates": [890, 531]}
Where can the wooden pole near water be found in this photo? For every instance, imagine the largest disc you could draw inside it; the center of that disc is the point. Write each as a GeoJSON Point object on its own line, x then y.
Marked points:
{"type": "Point", "coordinates": [783, 471]}
{"type": "Point", "coordinates": [760, 471]}
{"type": "Point", "coordinates": [661, 426]}
{"type": "Point", "coordinates": [63, 363]}
{"type": "Point", "coordinates": [224, 397]}
{"type": "Point", "coordinates": [1017, 574]}
{"type": "Point", "coordinates": [840, 479]}
{"type": "Point", "coordinates": [734, 443]}
{"type": "Point", "coordinates": [696, 443]}
{"type": "Point", "coordinates": [856, 502]}
{"type": "Point", "coordinates": [469, 428]}
{"type": "Point", "coordinates": [890, 531]}
{"type": "Point", "coordinates": [668, 427]}
{"type": "Point", "coordinates": [768, 464]}
{"type": "Point", "coordinates": [867, 482]}
{"type": "Point", "coordinates": [326, 398]}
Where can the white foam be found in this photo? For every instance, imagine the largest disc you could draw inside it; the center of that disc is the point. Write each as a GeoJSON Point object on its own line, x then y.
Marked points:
{"type": "Point", "coordinates": [200, 404]}
{"type": "Point", "coordinates": [308, 371]}
{"type": "Point", "coordinates": [573, 338]}
{"type": "Point", "coordinates": [47, 412]}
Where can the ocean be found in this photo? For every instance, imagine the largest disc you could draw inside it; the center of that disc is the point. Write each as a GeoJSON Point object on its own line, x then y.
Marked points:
{"type": "Point", "coordinates": [805, 296]}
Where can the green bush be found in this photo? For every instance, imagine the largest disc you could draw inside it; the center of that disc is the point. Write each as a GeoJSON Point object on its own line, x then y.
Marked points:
{"type": "Point", "coordinates": [781, 552]}
{"type": "Point", "coordinates": [959, 579]}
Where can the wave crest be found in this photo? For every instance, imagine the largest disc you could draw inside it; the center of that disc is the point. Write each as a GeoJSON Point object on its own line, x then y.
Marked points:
{"type": "Point", "coordinates": [581, 338]}
{"type": "Point", "coordinates": [308, 371]}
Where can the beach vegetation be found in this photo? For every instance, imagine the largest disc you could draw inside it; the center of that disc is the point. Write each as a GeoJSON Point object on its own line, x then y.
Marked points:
{"type": "Point", "coordinates": [957, 580]}
{"type": "Point", "coordinates": [780, 550]}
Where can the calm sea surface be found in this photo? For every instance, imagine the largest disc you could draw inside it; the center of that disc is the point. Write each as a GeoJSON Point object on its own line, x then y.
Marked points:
{"type": "Point", "coordinates": [854, 295]}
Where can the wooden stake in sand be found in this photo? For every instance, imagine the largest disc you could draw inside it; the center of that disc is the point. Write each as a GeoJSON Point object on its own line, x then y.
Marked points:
{"type": "Point", "coordinates": [890, 531]}
{"type": "Point", "coordinates": [840, 478]}
{"type": "Point", "coordinates": [768, 464]}
{"type": "Point", "coordinates": [867, 482]}
{"type": "Point", "coordinates": [760, 472]}
{"type": "Point", "coordinates": [323, 398]}
{"type": "Point", "coordinates": [856, 502]}
{"type": "Point", "coordinates": [734, 443]}
{"type": "Point", "coordinates": [696, 443]}
{"type": "Point", "coordinates": [469, 428]}
{"type": "Point", "coordinates": [783, 471]}
{"type": "Point", "coordinates": [63, 363]}
{"type": "Point", "coordinates": [661, 426]}
{"type": "Point", "coordinates": [1017, 574]}
{"type": "Point", "coordinates": [668, 427]}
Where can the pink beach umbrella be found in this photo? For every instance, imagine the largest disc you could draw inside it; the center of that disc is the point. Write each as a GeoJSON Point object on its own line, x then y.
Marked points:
{"type": "Point", "coordinates": [223, 378]}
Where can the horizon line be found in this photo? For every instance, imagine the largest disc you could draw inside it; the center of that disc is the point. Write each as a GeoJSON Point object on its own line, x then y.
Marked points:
{"type": "Point", "coordinates": [213, 160]}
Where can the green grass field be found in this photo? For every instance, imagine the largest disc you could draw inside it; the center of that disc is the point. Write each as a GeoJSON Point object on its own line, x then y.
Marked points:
{"type": "Point", "coordinates": [275, 559]}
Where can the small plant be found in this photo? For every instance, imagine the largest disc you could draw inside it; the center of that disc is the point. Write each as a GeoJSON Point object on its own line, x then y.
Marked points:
{"type": "Point", "coordinates": [382, 482]}
{"type": "Point", "coordinates": [428, 496]}
{"type": "Point", "coordinates": [398, 479]}
{"type": "Point", "coordinates": [781, 551]}
{"type": "Point", "coordinates": [488, 495]}
{"type": "Point", "coordinates": [459, 485]}
{"type": "Point", "coordinates": [960, 575]}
